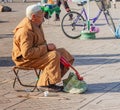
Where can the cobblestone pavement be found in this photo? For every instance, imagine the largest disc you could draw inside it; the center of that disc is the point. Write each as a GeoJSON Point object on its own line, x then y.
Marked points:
{"type": "Point", "coordinates": [98, 61]}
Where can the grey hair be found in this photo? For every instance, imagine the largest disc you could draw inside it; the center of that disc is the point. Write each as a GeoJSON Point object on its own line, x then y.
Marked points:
{"type": "Point", "coordinates": [32, 9]}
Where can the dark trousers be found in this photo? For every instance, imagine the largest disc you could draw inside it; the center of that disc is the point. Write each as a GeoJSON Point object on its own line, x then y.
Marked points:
{"type": "Point", "coordinates": [65, 4]}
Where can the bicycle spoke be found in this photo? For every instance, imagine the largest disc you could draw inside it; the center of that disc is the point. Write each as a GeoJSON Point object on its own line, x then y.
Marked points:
{"type": "Point", "coordinates": [72, 27]}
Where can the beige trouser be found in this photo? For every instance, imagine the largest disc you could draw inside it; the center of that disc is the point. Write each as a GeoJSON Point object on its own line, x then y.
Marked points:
{"type": "Point", "coordinates": [50, 66]}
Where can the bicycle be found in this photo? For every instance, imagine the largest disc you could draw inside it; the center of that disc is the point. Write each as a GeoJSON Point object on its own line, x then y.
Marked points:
{"type": "Point", "coordinates": [72, 28]}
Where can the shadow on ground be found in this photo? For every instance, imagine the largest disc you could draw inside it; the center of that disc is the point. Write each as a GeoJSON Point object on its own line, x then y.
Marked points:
{"type": "Point", "coordinates": [79, 59]}
{"type": "Point", "coordinates": [4, 21]}
{"type": "Point", "coordinates": [96, 59]}
{"type": "Point", "coordinates": [6, 35]}
{"type": "Point", "coordinates": [103, 87]}
{"type": "Point", "coordinates": [107, 38]}
{"type": "Point", "coordinates": [6, 61]}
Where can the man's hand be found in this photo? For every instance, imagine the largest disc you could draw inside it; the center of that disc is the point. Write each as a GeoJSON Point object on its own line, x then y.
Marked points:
{"type": "Point", "coordinates": [51, 46]}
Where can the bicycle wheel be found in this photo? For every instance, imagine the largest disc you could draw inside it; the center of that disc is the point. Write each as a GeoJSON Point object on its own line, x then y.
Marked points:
{"type": "Point", "coordinates": [72, 27]}
{"type": "Point", "coordinates": [110, 21]}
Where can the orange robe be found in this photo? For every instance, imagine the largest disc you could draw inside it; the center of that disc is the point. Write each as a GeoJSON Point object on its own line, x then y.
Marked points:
{"type": "Point", "coordinates": [29, 49]}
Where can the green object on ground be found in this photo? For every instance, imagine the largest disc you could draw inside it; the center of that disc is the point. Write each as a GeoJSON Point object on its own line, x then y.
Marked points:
{"type": "Point", "coordinates": [87, 35]}
{"type": "Point", "coordinates": [73, 85]}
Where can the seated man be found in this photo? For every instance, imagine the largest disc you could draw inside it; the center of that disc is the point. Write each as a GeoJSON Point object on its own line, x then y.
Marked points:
{"type": "Point", "coordinates": [30, 49]}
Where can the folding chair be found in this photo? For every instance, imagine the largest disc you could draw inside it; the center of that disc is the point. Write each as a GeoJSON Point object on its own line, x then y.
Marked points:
{"type": "Point", "coordinates": [16, 70]}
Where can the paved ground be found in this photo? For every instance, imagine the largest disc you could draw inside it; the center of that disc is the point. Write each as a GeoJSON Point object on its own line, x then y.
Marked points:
{"type": "Point", "coordinates": [98, 61]}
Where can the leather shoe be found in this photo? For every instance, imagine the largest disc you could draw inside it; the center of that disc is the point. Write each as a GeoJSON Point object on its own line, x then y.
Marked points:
{"type": "Point", "coordinates": [51, 88]}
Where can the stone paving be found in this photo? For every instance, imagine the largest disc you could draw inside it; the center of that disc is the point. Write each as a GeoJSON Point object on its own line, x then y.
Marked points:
{"type": "Point", "coordinates": [98, 61]}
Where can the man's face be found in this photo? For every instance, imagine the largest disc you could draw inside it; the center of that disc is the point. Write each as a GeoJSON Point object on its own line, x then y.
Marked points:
{"type": "Point", "coordinates": [38, 18]}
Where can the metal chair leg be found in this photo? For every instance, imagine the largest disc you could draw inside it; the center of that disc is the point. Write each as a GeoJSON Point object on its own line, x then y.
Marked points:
{"type": "Point", "coordinates": [16, 71]}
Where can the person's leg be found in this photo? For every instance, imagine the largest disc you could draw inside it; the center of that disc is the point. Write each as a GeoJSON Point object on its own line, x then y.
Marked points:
{"type": "Point", "coordinates": [51, 72]}
{"type": "Point", "coordinates": [57, 17]}
{"type": "Point", "coordinates": [24, 0]}
{"type": "Point", "coordinates": [67, 8]}
{"type": "Point", "coordinates": [3, 1]}
{"type": "Point", "coordinates": [64, 53]}
{"type": "Point", "coordinates": [48, 63]}
{"type": "Point", "coordinates": [50, 66]}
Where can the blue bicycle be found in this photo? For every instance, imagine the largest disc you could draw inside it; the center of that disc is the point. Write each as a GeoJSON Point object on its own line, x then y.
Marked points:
{"type": "Point", "coordinates": [72, 28]}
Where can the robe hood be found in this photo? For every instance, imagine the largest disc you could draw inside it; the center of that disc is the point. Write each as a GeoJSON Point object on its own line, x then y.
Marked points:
{"type": "Point", "coordinates": [25, 23]}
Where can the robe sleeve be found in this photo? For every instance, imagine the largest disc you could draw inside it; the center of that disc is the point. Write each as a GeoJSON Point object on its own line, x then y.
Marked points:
{"type": "Point", "coordinates": [28, 49]}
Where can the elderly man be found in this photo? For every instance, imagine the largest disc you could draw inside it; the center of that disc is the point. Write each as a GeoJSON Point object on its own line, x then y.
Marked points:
{"type": "Point", "coordinates": [30, 49]}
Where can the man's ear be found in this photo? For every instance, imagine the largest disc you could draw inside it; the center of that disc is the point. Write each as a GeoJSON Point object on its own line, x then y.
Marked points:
{"type": "Point", "coordinates": [33, 16]}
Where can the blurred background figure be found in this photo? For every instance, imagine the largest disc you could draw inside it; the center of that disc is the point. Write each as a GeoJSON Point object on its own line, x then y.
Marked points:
{"type": "Point", "coordinates": [5, 1]}
{"type": "Point", "coordinates": [66, 6]}
{"type": "Point", "coordinates": [10, 1]}
{"type": "Point", "coordinates": [114, 3]}
{"type": "Point", "coordinates": [24, 0]}
{"type": "Point", "coordinates": [58, 3]}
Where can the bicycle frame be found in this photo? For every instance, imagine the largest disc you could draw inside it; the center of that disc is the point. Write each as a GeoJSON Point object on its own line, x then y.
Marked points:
{"type": "Point", "coordinates": [79, 21]}
{"type": "Point", "coordinates": [83, 12]}
{"type": "Point", "coordinates": [106, 16]}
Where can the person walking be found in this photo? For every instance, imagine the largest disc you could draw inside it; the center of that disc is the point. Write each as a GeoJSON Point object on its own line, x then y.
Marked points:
{"type": "Point", "coordinates": [67, 8]}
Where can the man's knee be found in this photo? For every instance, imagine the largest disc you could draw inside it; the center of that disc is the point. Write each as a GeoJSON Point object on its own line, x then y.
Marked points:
{"type": "Point", "coordinates": [54, 55]}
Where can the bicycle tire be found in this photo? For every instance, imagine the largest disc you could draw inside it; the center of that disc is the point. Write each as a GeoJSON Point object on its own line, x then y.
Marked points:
{"type": "Point", "coordinates": [110, 22]}
{"type": "Point", "coordinates": [72, 28]}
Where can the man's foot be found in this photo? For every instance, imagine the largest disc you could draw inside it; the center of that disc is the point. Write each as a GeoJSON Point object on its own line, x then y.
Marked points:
{"type": "Point", "coordinates": [47, 16]}
{"type": "Point", "coordinates": [57, 19]}
{"type": "Point", "coordinates": [70, 17]}
{"type": "Point", "coordinates": [114, 5]}
{"type": "Point", "coordinates": [51, 88]}
{"type": "Point", "coordinates": [24, 1]}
